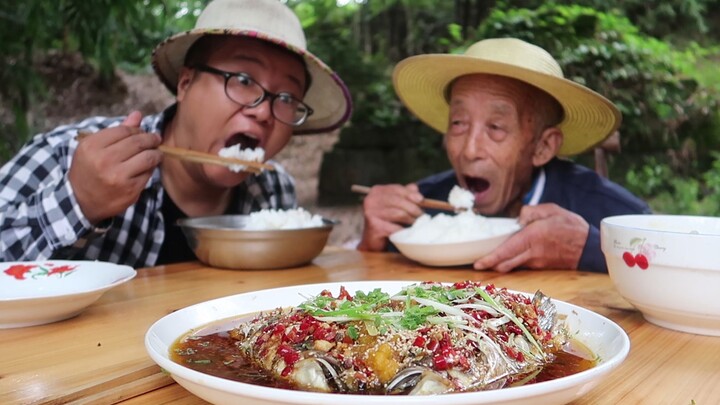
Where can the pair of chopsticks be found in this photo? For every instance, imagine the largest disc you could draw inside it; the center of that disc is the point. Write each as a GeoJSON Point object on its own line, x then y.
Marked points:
{"type": "Point", "coordinates": [201, 157]}
{"type": "Point", "coordinates": [425, 203]}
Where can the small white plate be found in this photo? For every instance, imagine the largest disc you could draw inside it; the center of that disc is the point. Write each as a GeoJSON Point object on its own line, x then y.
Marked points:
{"type": "Point", "coordinates": [602, 336]}
{"type": "Point", "coordinates": [456, 253]}
{"type": "Point", "coordinates": [35, 293]}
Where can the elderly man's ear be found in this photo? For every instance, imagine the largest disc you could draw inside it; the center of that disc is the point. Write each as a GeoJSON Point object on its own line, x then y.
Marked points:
{"type": "Point", "coordinates": [547, 146]}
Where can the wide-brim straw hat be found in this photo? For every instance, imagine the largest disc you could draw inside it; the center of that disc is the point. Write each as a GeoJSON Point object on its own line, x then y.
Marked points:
{"type": "Point", "coordinates": [271, 21]}
{"type": "Point", "coordinates": [422, 83]}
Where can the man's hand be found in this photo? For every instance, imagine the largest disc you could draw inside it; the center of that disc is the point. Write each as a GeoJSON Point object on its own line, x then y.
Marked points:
{"type": "Point", "coordinates": [386, 209]}
{"type": "Point", "coordinates": [110, 169]}
{"type": "Point", "coordinates": [552, 237]}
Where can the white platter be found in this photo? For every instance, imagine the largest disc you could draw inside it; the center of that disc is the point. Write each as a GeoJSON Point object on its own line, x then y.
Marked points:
{"type": "Point", "coordinates": [605, 338]}
{"type": "Point", "coordinates": [35, 293]}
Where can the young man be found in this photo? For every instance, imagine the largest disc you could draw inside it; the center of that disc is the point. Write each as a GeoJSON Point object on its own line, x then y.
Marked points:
{"type": "Point", "coordinates": [507, 113]}
{"type": "Point", "coordinates": [242, 76]}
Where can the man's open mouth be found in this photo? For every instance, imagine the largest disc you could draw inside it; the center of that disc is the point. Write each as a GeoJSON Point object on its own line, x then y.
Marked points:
{"type": "Point", "coordinates": [477, 184]}
{"type": "Point", "coordinates": [245, 141]}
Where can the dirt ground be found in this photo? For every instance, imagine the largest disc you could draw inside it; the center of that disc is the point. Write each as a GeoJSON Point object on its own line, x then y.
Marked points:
{"type": "Point", "coordinates": [301, 157]}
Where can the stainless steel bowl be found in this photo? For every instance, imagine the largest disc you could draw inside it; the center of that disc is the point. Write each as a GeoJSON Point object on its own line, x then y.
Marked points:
{"type": "Point", "coordinates": [221, 241]}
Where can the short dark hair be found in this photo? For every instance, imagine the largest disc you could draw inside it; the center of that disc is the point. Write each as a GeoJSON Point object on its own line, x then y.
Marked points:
{"type": "Point", "coordinates": [201, 50]}
{"type": "Point", "coordinates": [543, 110]}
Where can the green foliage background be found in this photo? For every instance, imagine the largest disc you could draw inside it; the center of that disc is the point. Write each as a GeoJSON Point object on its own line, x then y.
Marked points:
{"type": "Point", "coordinates": [655, 59]}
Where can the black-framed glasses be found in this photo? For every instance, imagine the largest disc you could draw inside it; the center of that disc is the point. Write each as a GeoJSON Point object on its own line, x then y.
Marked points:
{"type": "Point", "coordinates": [242, 89]}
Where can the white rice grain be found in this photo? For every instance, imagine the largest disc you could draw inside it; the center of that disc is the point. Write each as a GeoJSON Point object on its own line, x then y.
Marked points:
{"type": "Point", "coordinates": [249, 154]}
{"type": "Point", "coordinates": [443, 228]}
{"type": "Point", "coordinates": [271, 219]}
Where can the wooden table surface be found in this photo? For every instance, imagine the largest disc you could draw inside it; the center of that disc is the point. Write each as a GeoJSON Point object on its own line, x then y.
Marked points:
{"type": "Point", "coordinates": [99, 356]}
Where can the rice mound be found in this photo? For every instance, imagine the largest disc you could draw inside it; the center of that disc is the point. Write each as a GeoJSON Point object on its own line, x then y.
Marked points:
{"type": "Point", "coordinates": [463, 227]}
{"type": "Point", "coordinates": [272, 219]}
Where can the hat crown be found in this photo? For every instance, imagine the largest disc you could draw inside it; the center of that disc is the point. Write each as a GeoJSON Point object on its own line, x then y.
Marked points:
{"type": "Point", "coordinates": [516, 52]}
{"type": "Point", "coordinates": [269, 17]}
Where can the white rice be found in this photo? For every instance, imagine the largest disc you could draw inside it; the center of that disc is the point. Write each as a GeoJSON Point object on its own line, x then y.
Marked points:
{"type": "Point", "coordinates": [270, 219]}
{"type": "Point", "coordinates": [249, 154]}
{"type": "Point", "coordinates": [461, 198]}
{"type": "Point", "coordinates": [463, 227]}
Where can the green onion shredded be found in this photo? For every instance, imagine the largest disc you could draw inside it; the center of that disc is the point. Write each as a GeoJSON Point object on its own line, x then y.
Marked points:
{"type": "Point", "coordinates": [423, 302]}
{"type": "Point", "coordinates": [510, 315]}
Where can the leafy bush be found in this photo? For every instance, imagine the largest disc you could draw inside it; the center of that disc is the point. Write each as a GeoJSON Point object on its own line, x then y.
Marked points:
{"type": "Point", "coordinates": [669, 193]}
{"type": "Point", "coordinates": [689, 18]}
{"type": "Point", "coordinates": [107, 33]}
{"type": "Point", "coordinates": [379, 119]}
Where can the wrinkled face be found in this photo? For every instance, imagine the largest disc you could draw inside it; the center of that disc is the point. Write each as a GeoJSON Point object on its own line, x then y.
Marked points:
{"type": "Point", "coordinates": [209, 121]}
{"type": "Point", "coordinates": [489, 142]}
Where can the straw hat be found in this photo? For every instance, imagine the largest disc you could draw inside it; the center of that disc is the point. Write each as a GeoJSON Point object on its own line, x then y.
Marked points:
{"type": "Point", "coordinates": [271, 21]}
{"type": "Point", "coordinates": [422, 82]}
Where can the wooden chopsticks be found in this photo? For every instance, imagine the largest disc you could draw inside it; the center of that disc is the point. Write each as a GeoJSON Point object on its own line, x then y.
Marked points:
{"type": "Point", "coordinates": [425, 203]}
{"type": "Point", "coordinates": [201, 157]}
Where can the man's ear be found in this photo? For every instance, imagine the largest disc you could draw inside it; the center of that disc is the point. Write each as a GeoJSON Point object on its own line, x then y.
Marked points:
{"type": "Point", "coordinates": [547, 146]}
{"type": "Point", "coordinates": [184, 80]}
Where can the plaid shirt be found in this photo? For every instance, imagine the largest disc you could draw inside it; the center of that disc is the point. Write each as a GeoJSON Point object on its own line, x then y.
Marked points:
{"type": "Point", "coordinates": [40, 218]}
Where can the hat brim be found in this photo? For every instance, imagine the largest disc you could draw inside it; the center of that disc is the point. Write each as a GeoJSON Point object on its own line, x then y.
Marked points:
{"type": "Point", "coordinates": [328, 96]}
{"type": "Point", "coordinates": [421, 83]}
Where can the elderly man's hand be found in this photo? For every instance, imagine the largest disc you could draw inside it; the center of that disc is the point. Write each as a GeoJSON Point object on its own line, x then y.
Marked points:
{"type": "Point", "coordinates": [386, 209]}
{"type": "Point", "coordinates": [110, 169]}
{"type": "Point", "coordinates": [552, 237]}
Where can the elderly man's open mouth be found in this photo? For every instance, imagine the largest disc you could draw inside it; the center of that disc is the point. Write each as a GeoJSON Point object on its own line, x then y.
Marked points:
{"type": "Point", "coordinates": [477, 185]}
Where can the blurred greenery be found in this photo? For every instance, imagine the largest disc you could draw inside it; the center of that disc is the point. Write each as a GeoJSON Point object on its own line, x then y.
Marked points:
{"type": "Point", "coordinates": [672, 194]}
{"type": "Point", "coordinates": [107, 33]}
{"type": "Point", "coordinates": [656, 60]}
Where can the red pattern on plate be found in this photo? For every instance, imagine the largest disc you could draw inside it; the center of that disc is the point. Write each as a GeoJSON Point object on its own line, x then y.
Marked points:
{"type": "Point", "coordinates": [22, 271]}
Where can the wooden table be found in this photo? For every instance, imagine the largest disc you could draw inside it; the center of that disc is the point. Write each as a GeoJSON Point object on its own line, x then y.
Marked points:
{"type": "Point", "coordinates": [99, 356]}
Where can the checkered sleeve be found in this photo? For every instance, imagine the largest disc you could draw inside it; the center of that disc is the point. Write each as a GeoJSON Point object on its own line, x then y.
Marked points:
{"type": "Point", "coordinates": [38, 211]}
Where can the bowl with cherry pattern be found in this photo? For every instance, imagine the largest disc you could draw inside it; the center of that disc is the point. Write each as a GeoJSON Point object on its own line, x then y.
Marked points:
{"type": "Point", "coordinates": [36, 293]}
{"type": "Point", "coordinates": [668, 267]}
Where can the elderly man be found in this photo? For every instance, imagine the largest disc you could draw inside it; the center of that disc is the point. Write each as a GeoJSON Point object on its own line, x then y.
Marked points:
{"type": "Point", "coordinates": [242, 77]}
{"type": "Point", "coordinates": [507, 113]}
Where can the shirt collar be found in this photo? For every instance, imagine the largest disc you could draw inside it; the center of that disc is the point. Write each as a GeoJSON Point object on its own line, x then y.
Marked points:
{"type": "Point", "coordinates": [157, 123]}
{"type": "Point", "coordinates": [537, 188]}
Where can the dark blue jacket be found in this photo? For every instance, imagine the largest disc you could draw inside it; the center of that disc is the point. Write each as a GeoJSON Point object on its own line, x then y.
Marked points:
{"type": "Point", "coordinates": [573, 187]}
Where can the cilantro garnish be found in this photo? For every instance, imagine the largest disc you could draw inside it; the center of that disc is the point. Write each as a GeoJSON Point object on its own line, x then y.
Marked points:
{"type": "Point", "coordinates": [376, 308]}
{"type": "Point", "coordinates": [353, 332]}
{"type": "Point", "coordinates": [362, 307]}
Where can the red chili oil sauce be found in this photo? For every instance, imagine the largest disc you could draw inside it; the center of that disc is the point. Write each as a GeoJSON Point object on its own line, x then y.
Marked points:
{"type": "Point", "coordinates": [211, 350]}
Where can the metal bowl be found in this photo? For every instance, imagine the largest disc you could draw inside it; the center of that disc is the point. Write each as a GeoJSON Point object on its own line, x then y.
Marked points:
{"type": "Point", "coordinates": [221, 241]}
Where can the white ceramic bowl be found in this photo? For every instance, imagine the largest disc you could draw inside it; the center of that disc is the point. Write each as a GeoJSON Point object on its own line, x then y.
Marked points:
{"type": "Point", "coordinates": [35, 293]}
{"type": "Point", "coordinates": [455, 253]}
{"type": "Point", "coordinates": [668, 267]}
{"type": "Point", "coordinates": [602, 336]}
